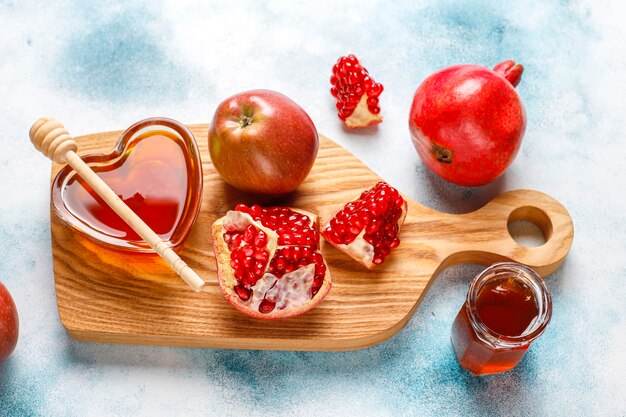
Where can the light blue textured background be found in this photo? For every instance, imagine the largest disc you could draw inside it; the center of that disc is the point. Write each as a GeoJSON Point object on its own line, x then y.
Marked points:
{"type": "Point", "coordinates": [104, 66]}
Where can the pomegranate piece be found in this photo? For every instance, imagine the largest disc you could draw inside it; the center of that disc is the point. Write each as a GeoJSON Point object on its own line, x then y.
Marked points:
{"type": "Point", "coordinates": [367, 228]}
{"type": "Point", "coordinates": [356, 93]}
{"type": "Point", "coordinates": [268, 261]}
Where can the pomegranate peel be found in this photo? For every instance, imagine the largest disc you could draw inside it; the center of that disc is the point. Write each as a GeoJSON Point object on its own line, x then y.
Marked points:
{"type": "Point", "coordinates": [367, 228]}
{"type": "Point", "coordinates": [356, 93]}
{"type": "Point", "coordinates": [274, 271]}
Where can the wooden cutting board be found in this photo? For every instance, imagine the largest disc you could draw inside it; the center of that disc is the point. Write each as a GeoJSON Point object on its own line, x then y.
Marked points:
{"type": "Point", "coordinates": [106, 296]}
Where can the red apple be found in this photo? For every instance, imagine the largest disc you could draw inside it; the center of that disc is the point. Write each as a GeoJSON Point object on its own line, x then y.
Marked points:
{"type": "Point", "coordinates": [262, 142]}
{"type": "Point", "coordinates": [9, 324]}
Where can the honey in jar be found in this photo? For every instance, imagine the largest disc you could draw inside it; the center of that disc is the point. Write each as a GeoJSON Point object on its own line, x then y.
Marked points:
{"type": "Point", "coordinates": [507, 307]}
{"type": "Point", "coordinates": [155, 169]}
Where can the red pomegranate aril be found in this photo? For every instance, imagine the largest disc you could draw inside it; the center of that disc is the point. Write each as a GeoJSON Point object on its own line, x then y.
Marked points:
{"type": "Point", "coordinates": [266, 306]}
{"type": "Point", "coordinates": [280, 263]}
{"type": "Point", "coordinates": [261, 239]}
{"type": "Point", "coordinates": [261, 255]}
{"type": "Point", "coordinates": [317, 281]}
{"type": "Point", "coordinates": [249, 234]}
{"type": "Point", "coordinates": [239, 273]}
{"type": "Point", "coordinates": [243, 292]}
{"type": "Point", "coordinates": [372, 227]}
{"type": "Point", "coordinates": [375, 90]}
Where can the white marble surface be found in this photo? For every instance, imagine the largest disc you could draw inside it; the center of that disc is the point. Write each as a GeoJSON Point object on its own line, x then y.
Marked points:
{"type": "Point", "coordinates": [104, 65]}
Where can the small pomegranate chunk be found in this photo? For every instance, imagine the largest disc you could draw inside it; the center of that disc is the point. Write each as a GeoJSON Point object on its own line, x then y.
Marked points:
{"type": "Point", "coordinates": [356, 93]}
{"type": "Point", "coordinates": [367, 228]}
{"type": "Point", "coordinates": [268, 261]}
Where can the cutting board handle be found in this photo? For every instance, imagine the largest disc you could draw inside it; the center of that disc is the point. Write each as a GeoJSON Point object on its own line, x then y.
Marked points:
{"type": "Point", "coordinates": [482, 236]}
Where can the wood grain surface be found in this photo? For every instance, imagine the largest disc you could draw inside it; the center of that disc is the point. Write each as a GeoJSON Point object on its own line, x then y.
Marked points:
{"type": "Point", "coordinates": [108, 296]}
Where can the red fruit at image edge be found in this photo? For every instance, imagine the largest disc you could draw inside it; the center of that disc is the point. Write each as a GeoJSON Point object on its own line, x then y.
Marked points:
{"type": "Point", "coordinates": [356, 93]}
{"type": "Point", "coordinates": [9, 324]}
{"type": "Point", "coordinates": [467, 122]}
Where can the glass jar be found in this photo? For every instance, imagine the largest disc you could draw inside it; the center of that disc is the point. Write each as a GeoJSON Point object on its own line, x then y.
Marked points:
{"type": "Point", "coordinates": [155, 168]}
{"type": "Point", "coordinates": [507, 307]}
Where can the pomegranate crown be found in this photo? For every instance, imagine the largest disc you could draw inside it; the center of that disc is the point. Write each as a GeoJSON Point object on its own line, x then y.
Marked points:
{"type": "Point", "coordinates": [510, 70]}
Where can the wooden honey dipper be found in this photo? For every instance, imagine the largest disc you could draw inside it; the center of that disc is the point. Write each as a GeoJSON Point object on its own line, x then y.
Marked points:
{"type": "Point", "coordinates": [50, 138]}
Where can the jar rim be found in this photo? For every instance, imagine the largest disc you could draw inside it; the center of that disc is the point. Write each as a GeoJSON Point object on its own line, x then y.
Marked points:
{"type": "Point", "coordinates": [542, 297]}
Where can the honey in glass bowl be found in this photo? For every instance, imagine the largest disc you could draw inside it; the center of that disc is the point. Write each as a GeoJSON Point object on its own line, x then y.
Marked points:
{"type": "Point", "coordinates": [507, 307]}
{"type": "Point", "coordinates": [155, 169]}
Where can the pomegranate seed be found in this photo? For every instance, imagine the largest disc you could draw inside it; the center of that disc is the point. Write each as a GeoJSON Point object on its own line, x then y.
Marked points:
{"type": "Point", "coordinates": [243, 292]}
{"type": "Point", "coordinates": [260, 240]}
{"type": "Point", "coordinates": [266, 306]}
{"type": "Point", "coordinates": [371, 102]}
{"type": "Point", "coordinates": [249, 234]}
{"type": "Point", "coordinates": [375, 90]}
{"type": "Point", "coordinates": [261, 255]}
{"type": "Point", "coordinates": [239, 273]}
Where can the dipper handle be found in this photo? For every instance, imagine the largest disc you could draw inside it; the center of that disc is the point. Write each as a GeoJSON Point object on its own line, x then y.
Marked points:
{"type": "Point", "coordinates": [50, 138]}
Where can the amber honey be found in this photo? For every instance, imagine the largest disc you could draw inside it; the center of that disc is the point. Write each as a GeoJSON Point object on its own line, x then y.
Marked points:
{"type": "Point", "coordinates": [507, 307]}
{"type": "Point", "coordinates": [155, 170]}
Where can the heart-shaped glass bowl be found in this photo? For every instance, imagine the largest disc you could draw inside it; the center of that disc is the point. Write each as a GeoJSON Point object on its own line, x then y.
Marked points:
{"type": "Point", "coordinates": [155, 168]}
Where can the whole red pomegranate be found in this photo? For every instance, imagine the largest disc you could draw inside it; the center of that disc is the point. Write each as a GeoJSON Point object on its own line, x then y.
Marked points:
{"type": "Point", "coordinates": [467, 122]}
{"type": "Point", "coordinates": [262, 142]}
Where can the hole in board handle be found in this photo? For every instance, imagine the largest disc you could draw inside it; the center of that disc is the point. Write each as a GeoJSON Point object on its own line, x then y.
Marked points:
{"type": "Point", "coordinates": [529, 226]}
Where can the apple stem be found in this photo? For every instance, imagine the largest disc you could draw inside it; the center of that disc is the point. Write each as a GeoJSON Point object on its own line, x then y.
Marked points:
{"type": "Point", "coordinates": [245, 121]}
{"type": "Point", "coordinates": [510, 70]}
